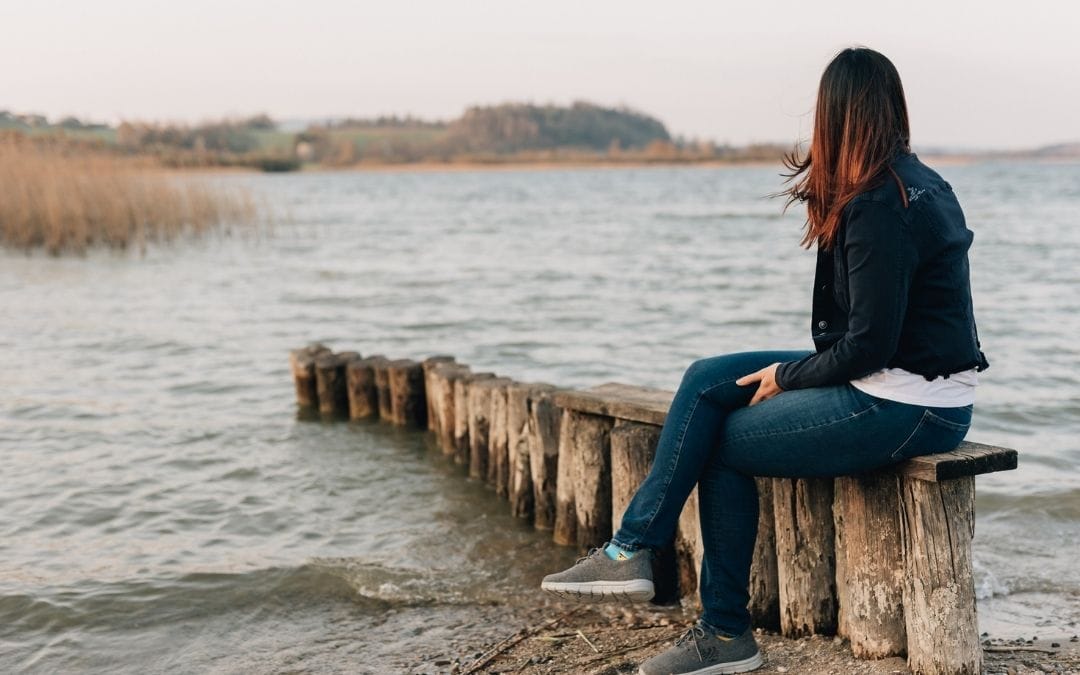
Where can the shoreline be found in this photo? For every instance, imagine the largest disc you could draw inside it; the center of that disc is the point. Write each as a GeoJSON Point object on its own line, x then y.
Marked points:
{"type": "Point", "coordinates": [558, 636]}
{"type": "Point", "coordinates": [550, 165]}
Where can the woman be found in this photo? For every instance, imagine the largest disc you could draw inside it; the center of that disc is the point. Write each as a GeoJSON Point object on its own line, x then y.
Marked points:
{"type": "Point", "coordinates": [892, 376]}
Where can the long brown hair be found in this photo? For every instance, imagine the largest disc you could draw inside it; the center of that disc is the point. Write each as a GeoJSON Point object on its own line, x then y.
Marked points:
{"type": "Point", "coordinates": [860, 124]}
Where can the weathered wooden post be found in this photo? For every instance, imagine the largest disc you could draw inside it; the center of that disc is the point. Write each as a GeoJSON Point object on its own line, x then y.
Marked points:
{"type": "Point", "coordinates": [764, 582]}
{"type": "Point", "coordinates": [565, 531]}
{"type": "Point", "coordinates": [330, 383]}
{"type": "Point", "coordinates": [408, 406]}
{"type": "Point", "coordinates": [302, 364]}
{"type": "Point", "coordinates": [380, 368]}
{"type": "Point", "coordinates": [360, 382]}
{"type": "Point", "coordinates": [479, 402]}
{"type": "Point", "coordinates": [462, 441]}
{"type": "Point", "coordinates": [519, 486]}
{"type": "Point", "coordinates": [938, 522]}
{"type": "Point", "coordinates": [869, 566]}
{"type": "Point", "coordinates": [498, 473]}
{"type": "Point", "coordinates": [441, 397]}
{"type": "Point", "coordinates": [592, 477]}
{"type": "Point", "coordinates": [545, 421]}
{"type": "Point", "coordinates": [805, 555]}
{"type": "Point", "coordinates": [633, 446]}
{"type": "Point", "coordinates": [689, 550]}
{"type": "Point", "coordinates": [430, 386]}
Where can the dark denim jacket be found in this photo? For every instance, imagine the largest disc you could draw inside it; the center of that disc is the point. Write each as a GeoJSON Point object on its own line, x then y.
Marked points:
{"type": "Point", "coordinates": [894, 291]}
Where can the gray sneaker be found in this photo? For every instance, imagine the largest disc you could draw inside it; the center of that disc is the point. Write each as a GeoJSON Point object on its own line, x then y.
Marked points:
{"type": "Point", "coordinates": [700, 652]}
{"type": "Point", "coordinates": [597, 576]}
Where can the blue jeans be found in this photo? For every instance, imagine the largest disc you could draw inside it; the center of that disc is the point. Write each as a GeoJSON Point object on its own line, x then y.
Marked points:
{"type": "Point", "coordinates": [713, 439]}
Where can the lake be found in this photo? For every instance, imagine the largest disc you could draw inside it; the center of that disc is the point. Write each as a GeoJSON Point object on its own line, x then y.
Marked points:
{"type": "Point", "coordinates": [164, 509]}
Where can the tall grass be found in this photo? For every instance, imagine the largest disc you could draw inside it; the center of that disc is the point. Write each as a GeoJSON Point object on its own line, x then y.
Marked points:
{"type": "Point", "coordinates": [68, 198]}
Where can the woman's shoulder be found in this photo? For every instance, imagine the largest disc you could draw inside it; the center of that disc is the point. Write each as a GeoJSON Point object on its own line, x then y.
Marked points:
{"type": "Point", "coordinates": [904, 183]}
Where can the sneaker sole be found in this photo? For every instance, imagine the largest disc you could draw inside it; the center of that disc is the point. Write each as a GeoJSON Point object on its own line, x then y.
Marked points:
{"type": "Point", "coordinates": [635, 590]}
{"type": "Point", "coordinates": [744, 666]}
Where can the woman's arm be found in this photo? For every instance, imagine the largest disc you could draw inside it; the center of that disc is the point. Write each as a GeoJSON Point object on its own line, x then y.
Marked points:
{"type": "Point", "coordinates": [881, 261]}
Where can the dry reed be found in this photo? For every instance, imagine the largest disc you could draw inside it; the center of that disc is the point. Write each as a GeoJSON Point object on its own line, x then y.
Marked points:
{"type": "Point", "coordinates": [67, 198]}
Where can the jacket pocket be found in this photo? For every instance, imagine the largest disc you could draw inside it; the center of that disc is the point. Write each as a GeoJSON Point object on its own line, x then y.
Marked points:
{"type": "Point", "coordinates": [934, 433]}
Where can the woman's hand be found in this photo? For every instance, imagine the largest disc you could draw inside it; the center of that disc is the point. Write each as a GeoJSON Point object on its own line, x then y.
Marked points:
{"type": "Point", "coordinates": [766, 379]}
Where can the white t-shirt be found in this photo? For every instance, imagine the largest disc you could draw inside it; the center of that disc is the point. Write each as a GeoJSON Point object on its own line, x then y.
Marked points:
{"type": "Point", "coordinates": [897, 384]}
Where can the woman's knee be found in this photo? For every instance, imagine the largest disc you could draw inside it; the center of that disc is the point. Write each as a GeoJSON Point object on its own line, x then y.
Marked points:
{"type": "Point", "coordinates": [706, 372]}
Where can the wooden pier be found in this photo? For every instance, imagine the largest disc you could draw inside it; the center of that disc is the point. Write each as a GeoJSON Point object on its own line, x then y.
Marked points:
{"type": "Point", "coordinates": [882, 559]}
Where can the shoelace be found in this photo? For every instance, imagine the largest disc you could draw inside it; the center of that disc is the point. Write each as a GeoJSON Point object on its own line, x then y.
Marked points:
{"type": "Point", "coordinates": [588, 555]}
{"type": "Point", "coordinates": [694, 632]}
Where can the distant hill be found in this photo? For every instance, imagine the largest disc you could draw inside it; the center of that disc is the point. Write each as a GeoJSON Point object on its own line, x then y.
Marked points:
{"type": "Point", "coordinates": [1062, 150]}
{"type": "Point", "coordinates": [516, 127]}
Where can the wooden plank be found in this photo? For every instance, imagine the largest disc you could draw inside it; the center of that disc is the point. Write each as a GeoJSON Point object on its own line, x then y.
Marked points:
{"type": "Point", "coordinates": [970, 459]}
{"type": "Point", "coordinates": [621, 401]}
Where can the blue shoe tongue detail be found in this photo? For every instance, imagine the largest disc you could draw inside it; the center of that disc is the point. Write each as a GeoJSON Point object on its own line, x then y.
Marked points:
{"type": "Point", "coordinates": [617, 552]}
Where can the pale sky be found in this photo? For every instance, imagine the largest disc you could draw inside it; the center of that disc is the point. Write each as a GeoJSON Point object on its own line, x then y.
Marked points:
{"type": "Point", "coordinates": [977, 74]}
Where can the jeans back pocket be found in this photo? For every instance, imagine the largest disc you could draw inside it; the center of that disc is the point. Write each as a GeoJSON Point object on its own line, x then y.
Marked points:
{"type": "Point", "coordinates": [938, 430]}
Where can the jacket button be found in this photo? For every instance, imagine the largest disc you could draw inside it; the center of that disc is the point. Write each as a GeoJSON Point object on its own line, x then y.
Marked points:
{"type": "Point", "coordinates": [822, 324]}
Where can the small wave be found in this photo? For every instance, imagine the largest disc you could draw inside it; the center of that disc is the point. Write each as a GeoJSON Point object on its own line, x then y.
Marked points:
{"type": "Point", "coordinates": [373, 588]}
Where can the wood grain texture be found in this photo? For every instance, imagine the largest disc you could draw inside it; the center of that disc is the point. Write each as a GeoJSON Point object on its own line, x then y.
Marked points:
{"type": "Point", "coordinates": [429, 365]}
{"type": "Point", "coordinates": [440, 394]}
{"type": "Point", "coordinates": [498, 455]}
{"type": "Point", "coordinates": [869, 564]}
{"type": "Point", "coordinates": [622, 401]}
{"type": "Point", "coordinates": [805, 555]}
{"type": "Point", "coordinates": [382, 388]}
{"type": "Point", "coordinates": [689, 551]}
{"type": "Point", "coordinates": [360, 383]}
{"type": "Point", "coordinates": [302, 365]}
{"type": "Point", "coordinates": [937, 525]}
{"type": "Point", "coordinates": [591, 437]}
{"type": "Point", "coordinates": [764, 583]}
{"type": "Point", "coordinates": [519, 487]}
{"type": "Point", "coordinates": [970, 459]}
{"type": "Point", "coordinates": [333, 395]}
{"type": "Point", "coordinates": [408, 399]}
{"type": "Point", "coordinates": [461, 414]}
{"type": "Point", "coordinates": [565, 524]}
{"type": "Point", "coordinates": [479, 401]}
{"type": "Point", "coordinates": [545, 421]}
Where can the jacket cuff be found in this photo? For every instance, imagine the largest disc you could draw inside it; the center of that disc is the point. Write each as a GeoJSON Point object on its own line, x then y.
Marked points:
{"type": "Point", "coordinates": [783, 379]}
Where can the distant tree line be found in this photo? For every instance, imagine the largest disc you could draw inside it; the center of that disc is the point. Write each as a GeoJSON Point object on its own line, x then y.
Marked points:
{"type": "Point", "coordinates": [234, 136]}
{"type": "Point", "coordinates": [509, 132]}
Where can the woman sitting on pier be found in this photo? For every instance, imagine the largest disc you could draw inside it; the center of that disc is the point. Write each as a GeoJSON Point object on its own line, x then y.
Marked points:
{"type": "Point", "coordinates": [892, 377]}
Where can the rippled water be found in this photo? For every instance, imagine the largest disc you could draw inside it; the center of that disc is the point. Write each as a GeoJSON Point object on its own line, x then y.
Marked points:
{"type": "Point", "coordinates": [163, 509]}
